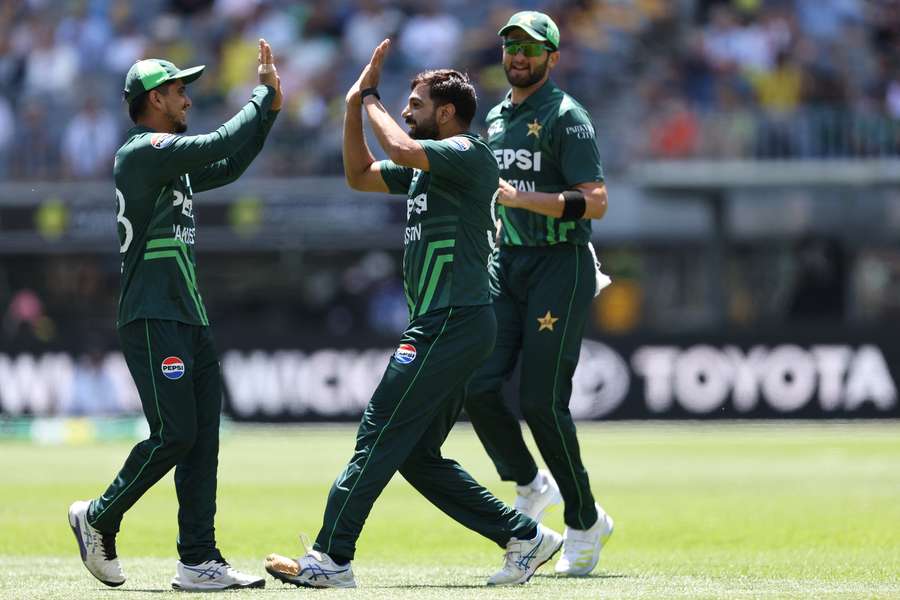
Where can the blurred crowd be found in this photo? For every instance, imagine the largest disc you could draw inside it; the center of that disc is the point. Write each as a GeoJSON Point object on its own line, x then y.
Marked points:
{"type": "Point", "coordinates": [663, 78]}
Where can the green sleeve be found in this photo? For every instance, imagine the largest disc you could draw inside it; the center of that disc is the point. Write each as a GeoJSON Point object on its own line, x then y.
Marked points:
{"type": "Point", "coordinates": [451, 158]}
{"type": "Point", "coordinates": [397, 177]}
{"type": "Point", "coordinates": [223, 172]}
{"type": "Point", "coordinates": [576, 147]}
{"type": "Point", "coordinates": [170, 156]}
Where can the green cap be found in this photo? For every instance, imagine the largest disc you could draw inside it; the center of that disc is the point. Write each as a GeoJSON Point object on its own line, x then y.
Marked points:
{"type": "Point", "coordinates": [144, 75]}
{"type": "Point", "coordinates": [536, 24]}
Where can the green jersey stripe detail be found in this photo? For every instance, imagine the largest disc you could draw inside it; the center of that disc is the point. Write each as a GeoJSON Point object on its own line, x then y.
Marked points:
{"type": "Point", "coordinates": [509, 228]}
{"type": "Point", "coordinates": [432, 246]}
{"type": "Point", "coordinates": [386, 425]}
{"type": "Point", "coordinates": [551, 230]}
{"type": "Point", "coordinates": [191, 274]}
{"type": "Point", "coordinates": [164, 243]}
{"type": "Point", "coordinates": [564, 229]}
{"type": "Point", "coordinates": [184, 272]}
{"type": "Point", "coordinates": [409, 301]}
{"type": "Point", "coordinates": [433, 282]}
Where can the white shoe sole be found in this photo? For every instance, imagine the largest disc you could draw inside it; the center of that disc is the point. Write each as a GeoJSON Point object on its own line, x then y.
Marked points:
{"type": "Point", "coordinates": [260, 583]}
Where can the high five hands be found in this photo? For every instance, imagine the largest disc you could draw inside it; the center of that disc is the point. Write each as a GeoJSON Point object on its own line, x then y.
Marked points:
{"type": "Point", "coordinates": [371, 73]}
{"type": "Point", "coordinates": [268, 74]}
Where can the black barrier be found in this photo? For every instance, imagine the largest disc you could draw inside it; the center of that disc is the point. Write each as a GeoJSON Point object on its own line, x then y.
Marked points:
{"type": "Point", "coordinates": [791, 373]}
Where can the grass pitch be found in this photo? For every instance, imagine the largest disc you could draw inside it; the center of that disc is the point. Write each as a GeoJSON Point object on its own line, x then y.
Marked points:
{"type": "Point", "coordinates": [702, 511]}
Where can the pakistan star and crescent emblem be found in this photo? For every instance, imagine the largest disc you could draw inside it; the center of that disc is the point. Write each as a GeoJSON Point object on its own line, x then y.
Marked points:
{"type": "Point", "coordinates": [547, 321]}
{"type": "Point", "coordinates": [534, 128]}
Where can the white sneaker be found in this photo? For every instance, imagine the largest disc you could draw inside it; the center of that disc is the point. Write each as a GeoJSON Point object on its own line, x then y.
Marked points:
{"type": "Point", "coordinates": [98, 550]}
{"type": "Point", "coordinates": [535, 498]}
{"type": "Point", "coordinates": [314, 569]}
{"type": "Point", "coordinates": [581, 548]}
{"type": "Point", "coordinates": [524, 557]}
{"type": "Point", "coordinates": [213, 576]}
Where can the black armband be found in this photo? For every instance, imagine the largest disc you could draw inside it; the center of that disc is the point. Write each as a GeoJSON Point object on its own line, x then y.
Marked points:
{"type": "Point", "coordinates": [574, 206]}
{"type": "Point", "coordinates": [369, 92]}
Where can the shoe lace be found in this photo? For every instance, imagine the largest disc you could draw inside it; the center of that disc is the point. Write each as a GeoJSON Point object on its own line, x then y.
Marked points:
{"type": "Point", "coordinates": [108, 544]}
{"type": "Point", "coordinates": [513, 556]}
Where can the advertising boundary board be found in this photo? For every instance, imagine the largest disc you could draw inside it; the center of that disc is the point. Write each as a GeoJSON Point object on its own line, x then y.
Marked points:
{"type": "Point", "coordinates": [797, 374]}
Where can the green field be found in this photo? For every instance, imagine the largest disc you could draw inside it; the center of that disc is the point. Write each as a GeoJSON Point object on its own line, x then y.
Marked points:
{"type": "Point", "coordinates": [702, 511]}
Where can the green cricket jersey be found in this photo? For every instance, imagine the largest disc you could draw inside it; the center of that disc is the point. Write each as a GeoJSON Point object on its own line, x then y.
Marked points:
{"type": "Point", "coordinates": [156, 175]}
{"type": "Point", "coordinates": [449, 229]}
{"type": "Point", "coordinates": [544, 144]}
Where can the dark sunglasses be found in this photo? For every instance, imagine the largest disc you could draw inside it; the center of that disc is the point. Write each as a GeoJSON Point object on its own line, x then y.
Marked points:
{"type": "Point", "coordinates": [529, 49]}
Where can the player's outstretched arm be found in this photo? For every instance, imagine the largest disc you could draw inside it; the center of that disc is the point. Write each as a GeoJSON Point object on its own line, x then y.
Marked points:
{"type": "Point", "coordinates": [179, 154]}
{"type": "Point", "coordinates": [400, 148]}
{"type": "Point", "coordinates": [223, 172]}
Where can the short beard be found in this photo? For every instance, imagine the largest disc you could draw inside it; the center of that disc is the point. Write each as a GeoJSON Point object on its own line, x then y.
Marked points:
{"type": "Point", "coordinates": [180, 127]}
{"type": "Point", "coordinates": [529, 79]}
{"type": "Point", "coordinates": [425, 130]}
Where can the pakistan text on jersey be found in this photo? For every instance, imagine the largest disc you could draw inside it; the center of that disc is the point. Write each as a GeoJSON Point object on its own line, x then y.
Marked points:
{"type": "Point", "coordinates": [185, 235]}
{"type": "Point", "coordinates": [523, 159]}
{"type": "Point", "coordinates": [413, 234]}
{"type": "Point", "coordinates": [522, 185]}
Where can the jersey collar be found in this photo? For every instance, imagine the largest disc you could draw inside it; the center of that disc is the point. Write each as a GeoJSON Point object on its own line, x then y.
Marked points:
{"type": "Point", "coordinates": [137, 130]}
{"type": "Point", "coordinates": [534, 100]}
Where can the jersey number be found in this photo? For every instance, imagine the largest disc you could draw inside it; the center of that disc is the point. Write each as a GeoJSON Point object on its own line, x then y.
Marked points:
{"type": "Point", "coordinates": [126, 224]}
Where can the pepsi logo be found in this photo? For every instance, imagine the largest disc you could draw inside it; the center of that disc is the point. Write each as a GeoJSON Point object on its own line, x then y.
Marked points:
{"type": "Point", "coordinates": [173, 368]}
{"type": "Point", "coordinates": [405, 354]}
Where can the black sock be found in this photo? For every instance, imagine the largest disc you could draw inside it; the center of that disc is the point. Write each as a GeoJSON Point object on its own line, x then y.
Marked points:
{"type": "Point", "coordinates": [339, 560]}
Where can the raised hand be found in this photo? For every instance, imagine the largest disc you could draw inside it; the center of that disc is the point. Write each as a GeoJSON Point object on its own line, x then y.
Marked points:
{"type": "Point", "coordinates": [371, 73]}
{"type": "Point", "coordinates": [268, 74]}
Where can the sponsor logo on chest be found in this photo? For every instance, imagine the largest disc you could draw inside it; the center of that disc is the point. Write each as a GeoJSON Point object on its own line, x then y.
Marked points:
{"type": "Point", "coordinates": [524, 160]}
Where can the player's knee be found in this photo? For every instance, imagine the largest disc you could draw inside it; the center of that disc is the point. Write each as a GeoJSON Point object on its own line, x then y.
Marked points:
{"type": "Point", "coordinates": [536, 404]}
{"type": "Point", "coordinates": [179, 443]}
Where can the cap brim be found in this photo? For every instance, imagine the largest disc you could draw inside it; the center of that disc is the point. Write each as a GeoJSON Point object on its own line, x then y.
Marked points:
{"type": "Point", "coordinates": [524, 28]}
{"type": "Point", "coordinates": [187, 75]}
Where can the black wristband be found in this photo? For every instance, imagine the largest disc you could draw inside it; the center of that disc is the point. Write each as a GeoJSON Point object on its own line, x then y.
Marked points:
{"type": "Point", "coordinates": [574, 206]}
{"type": "Point", "coordinates": [369, 92]}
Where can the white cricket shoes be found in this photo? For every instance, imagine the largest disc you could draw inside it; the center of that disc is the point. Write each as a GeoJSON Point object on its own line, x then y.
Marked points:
{"type": "Point", "coordinates": [538, 496]}
{"type": "Point", "coordinates": [213, 576]}
{"type": "Point", "coordinates": [524, 557]}
{"type": "Point", "coordinates": [314, 569]}
{"type": "Point", "coordinates": [98, 550]}
{"type": "Point", "coordinates": [581, 547]}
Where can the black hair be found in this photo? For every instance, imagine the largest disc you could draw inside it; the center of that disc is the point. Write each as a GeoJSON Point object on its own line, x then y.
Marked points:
{"type": "Point", "coordinates": [447, 86]}
{"type": "Point", "coordinates": [138, 106]}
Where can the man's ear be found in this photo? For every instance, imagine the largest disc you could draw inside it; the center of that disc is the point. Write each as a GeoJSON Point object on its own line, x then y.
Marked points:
{"type": "Point", "coordinates": [446, 113]}
{"type": "Point", "coordinates": [155, 98]}
{"type": "Point", "coordinates": [554, 58]}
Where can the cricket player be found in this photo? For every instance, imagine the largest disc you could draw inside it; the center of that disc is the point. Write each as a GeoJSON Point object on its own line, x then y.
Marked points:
{"type": "Point", "coordinates": [449, 177]}
{"type": "Point", "coordinates": [544, 278]}
{"type": "Point", "coordinates": [162, 319]}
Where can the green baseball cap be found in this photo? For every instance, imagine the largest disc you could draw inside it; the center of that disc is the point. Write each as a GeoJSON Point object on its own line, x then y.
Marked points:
{"type": "Point", "coordinates": [144, 75]}
{"type": "Point", "coordinates": [536, 24]}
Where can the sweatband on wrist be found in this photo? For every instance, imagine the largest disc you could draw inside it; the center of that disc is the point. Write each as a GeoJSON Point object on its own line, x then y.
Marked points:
{"type": "Point", "coordinates": [369, 92]}
{"type": "Point", "coordinates": [574, 206]}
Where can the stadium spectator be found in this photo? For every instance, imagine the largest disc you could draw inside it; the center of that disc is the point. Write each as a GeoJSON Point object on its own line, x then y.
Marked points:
{"type": "Point", "coordinates": [89, 139]}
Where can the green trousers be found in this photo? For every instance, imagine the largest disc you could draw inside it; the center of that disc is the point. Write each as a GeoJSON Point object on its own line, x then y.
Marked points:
{"type": "Point", "coordinates": [176, 369]}
{"type": "Point", "coordinates": [406, 422]}
{"type": "Point", "coordinates": [542, 299]}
